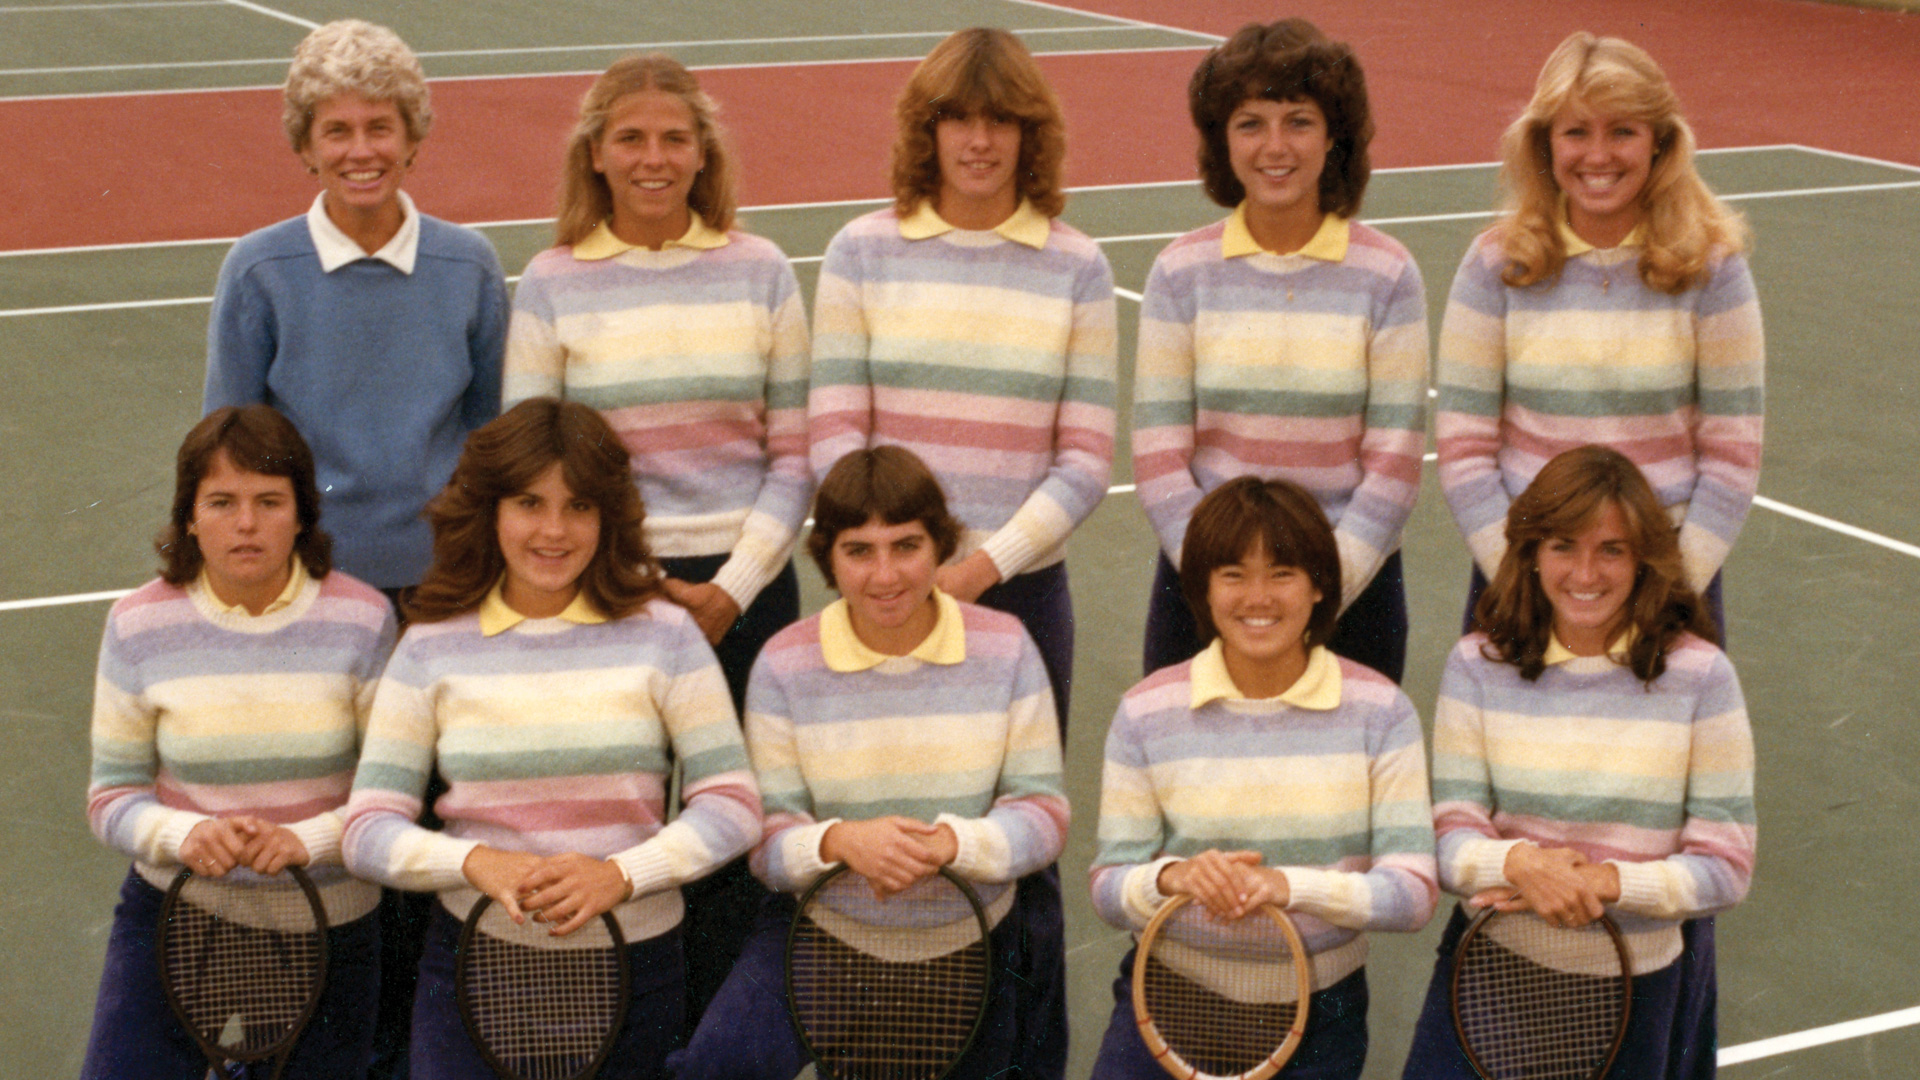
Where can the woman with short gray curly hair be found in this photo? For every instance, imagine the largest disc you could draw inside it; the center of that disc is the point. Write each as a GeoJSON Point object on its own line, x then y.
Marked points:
{"type": "Point", "coordinates": [377, 330]}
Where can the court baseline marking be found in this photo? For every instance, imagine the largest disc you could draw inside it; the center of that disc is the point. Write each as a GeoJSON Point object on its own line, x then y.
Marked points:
{"type": "Point", "coordinates": [262, 9]}
{"type": "Point", "coordinates": [31, 9]}
{"type": "Point", "coordinates": [529, 50]}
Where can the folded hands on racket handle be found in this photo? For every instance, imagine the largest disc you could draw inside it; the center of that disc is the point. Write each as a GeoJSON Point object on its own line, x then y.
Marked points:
{"type": "Point", "coordinates": [564, 890]}
{"type": "Point", "coordinates": [892, 853]}
{"type": "Point", "coordinates": [217, 845]}
{"type": "Point", "coordinates": [1229, 884]}
{"type": "Point", "coordinates": [1558, 884]}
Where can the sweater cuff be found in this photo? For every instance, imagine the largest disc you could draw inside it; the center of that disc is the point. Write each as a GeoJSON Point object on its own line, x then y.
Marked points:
{"type": "Point", "coordinates": [1011, 551]}
{"type": "Point", "coordinates": [173, 832]}
{"type": "Point", "coordinates": [1485, 864]}
{"type": "Point", "coordinates": [1140, 892]}
{"type": "Point", "coordinates": [321, 835]}
{"type": "Point", "coordinates": [1313, 892]}
{"type": "Point", "coordinates": [981, 853]}
{"type": "Point", "coordinates": [443, 861]}
{"type": "Point", "coordinates": [1644, 889]}
{"type": "Point", "coordinates": [1489, 546]}
{"type": "Point", "coordinates": [743, 575]}
{"type": "Point", "coordinates": [647, 868]}
{"type": "Point", "coordinates": [799, 849]}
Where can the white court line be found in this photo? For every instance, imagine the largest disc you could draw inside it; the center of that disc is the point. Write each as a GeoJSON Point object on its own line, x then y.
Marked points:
{"type": "Point", "coordinates": [110, 7]}
{"type": "Point", "coordinates": [272, 14]}
{"type": "Point", "coordinates": [1138, 23]}
{"type": "Point", "coordinates": [1840, 527]}
{"type": "Point", "coordinates": [1412, 219]}
{"type": "Point", "coordinates": [1844, 156]}
{"type": "Point", "coordinates": [1820, 1036]}
{"type": "Point", "coordinates": [538, 50]}
{"type": "Point", "coordinates": [56, 601]}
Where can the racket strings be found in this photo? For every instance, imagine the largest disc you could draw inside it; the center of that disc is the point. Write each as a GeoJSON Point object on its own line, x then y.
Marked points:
{"type": "Point", "coordinates": [872, 1019]}
{"type": "Point", "coordinates": [245, 962]}
{"type": "Point", "coordinates": [543, 1012]}
{"type": "Point", "coordinates": [1524, 1019]}
{"type": "Point", "coordinates": [1215, 1034]}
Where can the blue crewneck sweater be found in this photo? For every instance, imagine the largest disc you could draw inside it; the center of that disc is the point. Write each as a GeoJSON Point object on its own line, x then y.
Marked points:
{"type": "Point", "coordinates": [383, 372]}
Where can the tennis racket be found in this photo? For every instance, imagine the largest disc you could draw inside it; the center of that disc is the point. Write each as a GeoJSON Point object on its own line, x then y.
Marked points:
{"type": "Point", "coordinates": [1537, 1002]}
{"type": "Point", "coordinates": [540, 1007]}
{"type": "Point", "coordinates": [893, 989]}
{"type": "Point", "coordinates": [1217, 999]}
{"type": "Point", "coordinates": [243, 960]}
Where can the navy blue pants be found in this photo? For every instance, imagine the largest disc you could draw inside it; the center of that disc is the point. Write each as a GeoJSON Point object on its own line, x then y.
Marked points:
{"type": "Point", "coordinates": [441, 1049]}
{"type": "Point", "coordinates": [137, 1037]}
{"type": "Point", "coordinates": [1333, 1048]}
{"type": "Point", "coordinates": [1372, 631]}
{"type": "Point", "coordinates": [721, 907]}
{"type": "Point", "coordinates": [748, 1035]}
{"type": "Point", "coordinates": [1670, 1028]}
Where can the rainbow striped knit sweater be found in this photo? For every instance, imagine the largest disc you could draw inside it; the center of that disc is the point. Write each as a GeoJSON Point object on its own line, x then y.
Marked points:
{"type": "Point", "coordinates": [1310, 367]}
{"type": "Point", "coordinates": [961, 731]}
{"type": "Point", "coordinates": [554, 736]}
{"type": "Point", "coordinates": [1328, 782]}
{"type": "Point", "coordinates": [200, 712]}
{"type": "Point", "coordinates": [990, 357]}
{"type": "Point", "coordinates": [1657, 780]}
{"type": "Point", "coordinates": [697, 356]}
{"type": "Point", "coordinates": [1673, 382]}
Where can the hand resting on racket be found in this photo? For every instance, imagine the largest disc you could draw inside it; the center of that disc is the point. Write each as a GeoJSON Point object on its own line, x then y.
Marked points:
{"type": "Point", "coordinates": [1230, 884]}
{"type": "Point", "coordinates": [563, 890]}
{"type": "Point", "coordinates": [217, 845]}
{"type": "Point", "coordinates": [1558, 884]}
{"type": "Point", "coordinates": [893, 853]}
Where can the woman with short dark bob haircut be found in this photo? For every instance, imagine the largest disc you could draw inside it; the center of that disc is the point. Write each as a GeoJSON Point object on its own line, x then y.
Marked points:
{"type": "Point", "coordinates": [968, 316]}
{"type": "Point", "coordinates": [541, 648]}
{"type": "Point", "coordinates": [1235, 777]}
{"type": "Point", "coordinates": [1288, 340]}
{"type": "Point", "coordinates": [226, 715]}
{"type": "Point", "coordinates": [1593, 647]}
{"type": "Point", "coordinates": [887, 484]}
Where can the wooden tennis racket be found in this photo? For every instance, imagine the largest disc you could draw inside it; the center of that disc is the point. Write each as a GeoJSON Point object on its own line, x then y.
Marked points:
{"type": "Point", "coordinates": [1538, 1002]}
{"type": "Point", "coordinates": [1221, 1000]}
{"type": "Point", "coordinates": [540, 1007]}
{"type": "Point", "coordinates": [243, 959]}
{"type": "Point", "coordinates": [891, 989]}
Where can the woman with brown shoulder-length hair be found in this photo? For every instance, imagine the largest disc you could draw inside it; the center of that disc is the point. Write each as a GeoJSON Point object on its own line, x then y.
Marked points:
{"type": "Point", "coordinates": [226, 717]}
{"type": "Point", "coordinates": [969, 325]}
{"type": "Point", "coordinates": [1591, 753]}
{"type": "Point", "coordinates": [1287, 341]}
{"type": "Point", "coordinates": [541, 649]}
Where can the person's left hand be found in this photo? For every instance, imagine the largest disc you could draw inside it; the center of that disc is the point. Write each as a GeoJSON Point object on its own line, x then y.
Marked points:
{"type": "Point", "coordinates": [273, 849]}
{"type": "Point", "coordinates": [709, 605]}
{"type": "Point", "coordinates": [968, 578]}
{"type": "Point", "coordinates": [566, 890]}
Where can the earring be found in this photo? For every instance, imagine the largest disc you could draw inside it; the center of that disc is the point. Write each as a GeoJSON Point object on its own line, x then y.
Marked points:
{"type": "Point", "coordinates": [313, 170]}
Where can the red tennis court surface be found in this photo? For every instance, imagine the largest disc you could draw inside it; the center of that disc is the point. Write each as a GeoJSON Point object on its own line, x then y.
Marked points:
{"type": "Point", "coordinates": [1444, 77]}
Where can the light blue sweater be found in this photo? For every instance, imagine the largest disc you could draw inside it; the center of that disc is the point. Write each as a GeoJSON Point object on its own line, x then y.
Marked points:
{"type": "Point", "coordinates": [384, 373]}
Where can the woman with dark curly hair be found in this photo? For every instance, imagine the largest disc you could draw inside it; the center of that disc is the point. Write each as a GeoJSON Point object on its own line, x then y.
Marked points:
{"type": "Point", "coordinates": [968, 324]}
{"type": "Point", "coordinates": [226, 719]}
{"type": "Point", "coordinates": [1594, 648]}
{"type": "Point", "coordinates": [541, 648]}
{"type": "Point", "coordinates": [1288, 341]}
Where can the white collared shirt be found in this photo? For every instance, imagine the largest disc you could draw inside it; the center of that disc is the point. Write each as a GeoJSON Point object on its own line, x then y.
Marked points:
{"type": "Point", "coordinates": [337, 249]}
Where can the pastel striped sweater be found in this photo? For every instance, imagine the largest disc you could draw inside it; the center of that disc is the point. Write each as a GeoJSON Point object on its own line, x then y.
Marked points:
{"type": "Point", "coordinates": [1335, 796]}
{"type": "Point", "coordinates": [991, 360]}
{"type": "Point", "coordinates": [698, 359]}
{"type": "Point", "coordinates": [1657, 780]}
{"type": "Point", "coordinates": [554, 736]}
{"type": "Point", "coordinates": [971, 744]}
{"type": "Point", "coordinates": [1284, 366]}
{"type": "Point", "coordinates": [199, 713]}
{"type": "Point", "coordinates": [1673, 382]}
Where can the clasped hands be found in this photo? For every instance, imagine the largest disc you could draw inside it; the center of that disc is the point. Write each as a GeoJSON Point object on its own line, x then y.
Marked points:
{"type": "Point", "coordinates": [1229, 884]}
{"type": "Point", "coordinates": [217, 845]}
{"type": "Point", "coordinates": [1558, 884]}
{"type": "Point", "coordinates": [892, 853]}
{"type": "Point", "coordinates": [562, 890]}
